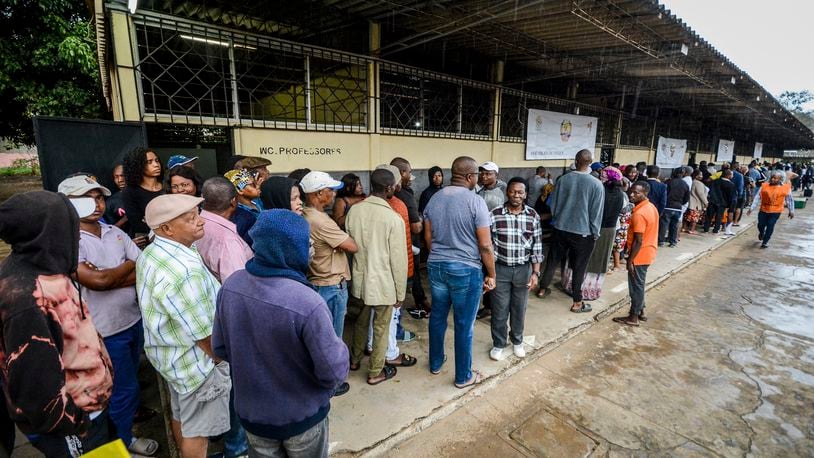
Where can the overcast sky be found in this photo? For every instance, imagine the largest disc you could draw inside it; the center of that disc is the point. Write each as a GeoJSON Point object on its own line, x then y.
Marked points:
{"type": "Point", "coordinates": [771, 40]}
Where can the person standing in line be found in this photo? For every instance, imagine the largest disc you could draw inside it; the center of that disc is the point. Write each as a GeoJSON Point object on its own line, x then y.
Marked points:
{"type": "Point", "coordinates": [183, 179]}
{"type": "Point", "coordinates": [740, 192]}
{"type": "Point", "coordinates": [57, 376]}
{"type": "Point", "coordinates": [406, 194]}
{"type": "Point", "coordinates": [643, 244]}
{"type": "Point", "coordinates": [352, 192]}
{"type": "Point", "coordinates": [379, 272]}
{"type": "Point", "coordinates": [540, 179]}
{"type": "Point", "coordinates": [697, 206]}
{"type": "Point", "coordinates": [458, 237]}
{"type": "Point", "coordinates": [282, 193]}
{"type": "Point", "coordinates": [257, 168]}
{"type": "Point", "coordinates": [177, 296]}
{"type": "Point", "coordinates": [106, 271]}
{"type": "Point", "coordinates": [143, 174]}
{"type": "Point", "coordinates": [224, 253]}
{"type": "Point", "coordinates": [246, 212]}
{"type": "Point", "coordinates": [577, 204]}
{"type": "Point", "coordinates": [597, 268]}
{"type": "Point", "coordinates": [517, 238]}
{"type": "Point", "coordinates": [678, 194]}
{"type": "Point", "coordinates": [771, 199]}
{"type": "Point", "coordinates": [114, 206]}
{"type": "Point", "coordinates": [721, 195]}
{"type": "Point", "coordinates": [282, 388]}
{"type": "Point", "coordinates": [328, 270]}
{"type": "Point", "coordinates": [436, 178]}
{"type": "Point", "coordinates": [658, 191]}
{"type": "Point", "coordinates": [493, 192]}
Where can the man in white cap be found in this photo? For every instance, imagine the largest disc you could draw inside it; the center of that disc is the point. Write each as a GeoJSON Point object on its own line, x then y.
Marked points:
{"type": "Point", "coordinates": [107, 273]}
{"type": "Point", "coordinates": [328, 270]}
{"type": "Point", "coordinates": [492, 190]}
{"type": "Point", "coordinates": [177, 295]}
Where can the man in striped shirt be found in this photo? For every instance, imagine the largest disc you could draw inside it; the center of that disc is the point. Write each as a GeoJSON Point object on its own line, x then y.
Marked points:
{"type": "Point", "coordinates": [517, 238]}
{"type": "Point", "coordinates": [177, 295]}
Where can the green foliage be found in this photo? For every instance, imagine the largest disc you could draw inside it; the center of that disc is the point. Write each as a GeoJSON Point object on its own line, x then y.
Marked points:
{"type": "Point", "coordinates": [795, 102]}
{"type": "Point", "coordinates": [21, 167]}
{"type": "Point", "coordinates": [47, 64]}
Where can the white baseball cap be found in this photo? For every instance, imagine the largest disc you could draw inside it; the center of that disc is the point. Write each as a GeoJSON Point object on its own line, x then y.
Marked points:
{"type": "Point", "coordinates": [315, 181]}
{"type": "Point", "coordinates": [489, 165]}
{"type": "Point", "coordinates": [80, 185]}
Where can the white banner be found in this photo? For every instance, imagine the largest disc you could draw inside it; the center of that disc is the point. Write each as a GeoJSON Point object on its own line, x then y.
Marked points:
{"type": "Point", "coordinates": [726, 150]}
{"type": "Point", "coordinates": [671, 152]}
{"type": "Point", "coordinates": [552, 135]}
{"type": "Point", "coordinates": [758, 151]}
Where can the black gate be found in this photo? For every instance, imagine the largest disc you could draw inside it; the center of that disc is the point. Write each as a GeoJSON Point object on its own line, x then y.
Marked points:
{"type": "Point", "coordinates": [67, 146]}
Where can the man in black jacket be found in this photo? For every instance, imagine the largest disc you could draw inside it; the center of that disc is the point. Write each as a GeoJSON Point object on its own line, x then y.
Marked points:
{"type": "Point", "coordinates": [678, 194]}
{"type": "Point", "coordinates": [722, 197]}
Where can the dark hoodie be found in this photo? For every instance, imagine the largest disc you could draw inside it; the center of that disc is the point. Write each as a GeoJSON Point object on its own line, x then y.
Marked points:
{"type": "Point", "coordinates": [55, 368]}
{"type": "Point", "coordinates": [431, 189]}
{"type": "Point", "coordinates": [276, 193]}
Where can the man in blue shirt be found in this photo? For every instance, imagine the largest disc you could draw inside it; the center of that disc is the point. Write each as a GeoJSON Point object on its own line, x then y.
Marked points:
{"type": "Point", "coordinates": [740, 196]}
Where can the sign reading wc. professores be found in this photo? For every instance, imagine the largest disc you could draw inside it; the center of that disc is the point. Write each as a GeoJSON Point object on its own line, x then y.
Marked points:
{"type": "Point", "coordinates": [552, 135]}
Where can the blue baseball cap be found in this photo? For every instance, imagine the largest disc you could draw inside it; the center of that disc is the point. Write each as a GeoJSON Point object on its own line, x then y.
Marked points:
{"type": "Point", "coordinates": [179, 160]}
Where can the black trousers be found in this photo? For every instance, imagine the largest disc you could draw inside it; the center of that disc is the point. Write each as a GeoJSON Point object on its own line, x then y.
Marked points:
{"type": "Point", "coordinates": [714, 217]}
{"type": "Point", "coordinates": [419, 296]}
{"type": "Point", "coordinates": [578, 249]}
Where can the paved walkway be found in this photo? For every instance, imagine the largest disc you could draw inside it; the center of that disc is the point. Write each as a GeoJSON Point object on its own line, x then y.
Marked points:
{"type": "Point", "coordinates": [376, 418]}
{"type": "Point", "coordinates": [723, 367]}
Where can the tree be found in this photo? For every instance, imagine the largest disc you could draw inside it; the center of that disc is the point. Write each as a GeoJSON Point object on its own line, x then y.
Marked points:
{"type": "Point", "coordinates": [795, 102]}
{"type": "Point", "coordinates": [47, 65]}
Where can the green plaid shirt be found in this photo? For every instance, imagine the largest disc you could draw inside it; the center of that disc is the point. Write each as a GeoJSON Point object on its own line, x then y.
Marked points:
{"type": "Point", "coordinates": [177, 297]}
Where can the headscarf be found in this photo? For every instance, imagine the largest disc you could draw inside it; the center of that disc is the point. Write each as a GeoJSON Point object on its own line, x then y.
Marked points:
{"type": "Point", "coordinates": [275, 192]}
{"type": "Point", "coordinates": [610, 174]}
{"type": "Point", "coordinates": [281, 242]}
{"type": "Point", "coordinates": [239, 178]}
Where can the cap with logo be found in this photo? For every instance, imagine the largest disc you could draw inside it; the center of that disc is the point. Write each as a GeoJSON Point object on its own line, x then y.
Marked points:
{"type": "Point", "coordinates": [489, 165]}
{"type": "Point", "coordinates": [315, 181]}
{"type": "Point", "coordinates": [239, 178]}
{"type": "Point", "coordinates": [167, 207]}
{"type": "Point", "coordinates": [178, 160]}
{"type": "Point", "coordinates": [76, 187]}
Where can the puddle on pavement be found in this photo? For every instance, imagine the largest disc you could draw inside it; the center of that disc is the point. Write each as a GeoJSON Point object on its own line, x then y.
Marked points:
{"type": "Point", "coordinates": [545, 435]}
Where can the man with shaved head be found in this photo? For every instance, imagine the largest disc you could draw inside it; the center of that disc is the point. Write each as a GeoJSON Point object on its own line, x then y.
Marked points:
{"type": "Point", "coordinates": [576, 205]}
{"type": "Point", "coordinates": [457, 233]}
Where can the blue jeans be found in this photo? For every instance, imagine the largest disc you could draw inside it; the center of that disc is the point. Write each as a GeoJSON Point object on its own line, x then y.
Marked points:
{"type": "Point", "coordinates": [765, 225]}
{"type": "Point", "coordinates": [457, 286]}
{"type": "Point", "coordinates": [124, 349]}
{"type": "Point", "coordinates": [336, 296]}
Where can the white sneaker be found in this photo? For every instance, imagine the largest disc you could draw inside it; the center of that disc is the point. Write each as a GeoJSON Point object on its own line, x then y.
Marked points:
{"type": "Point", "coordinates": [519, 351]}
{"type": "Point", "coordinates": [496, 354]}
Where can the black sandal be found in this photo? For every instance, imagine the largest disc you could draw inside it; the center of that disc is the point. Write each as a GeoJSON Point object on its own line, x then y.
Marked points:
{"type": "Point", "coordinates": [406, 361]}
{"type": "Point", "coordinates": [388, 372]}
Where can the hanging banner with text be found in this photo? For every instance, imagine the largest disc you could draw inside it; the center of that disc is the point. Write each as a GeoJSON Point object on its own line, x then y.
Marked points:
{"type": "Point", "coordinates": [552, 135]}
{"type": "Point", "coordinates": [758, 151]}
{"type": "Point", "coordinates": [671, 152]}
{"type": "Point", "coordinates": [726, 150]}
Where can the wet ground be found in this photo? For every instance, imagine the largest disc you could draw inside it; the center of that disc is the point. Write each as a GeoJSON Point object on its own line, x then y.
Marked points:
{"type": "Point", "coordinates": [723, 367]}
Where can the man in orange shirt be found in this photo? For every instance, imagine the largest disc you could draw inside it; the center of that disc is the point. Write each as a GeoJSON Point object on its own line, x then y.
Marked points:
{"type": "Point", "coordinates": [771, 198]}
{"type": "Point", "coordinates": [642, 240]}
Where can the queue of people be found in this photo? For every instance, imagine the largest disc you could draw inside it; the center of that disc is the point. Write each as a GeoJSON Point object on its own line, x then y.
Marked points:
{"type": "Point", "coordinates": [247, 277]}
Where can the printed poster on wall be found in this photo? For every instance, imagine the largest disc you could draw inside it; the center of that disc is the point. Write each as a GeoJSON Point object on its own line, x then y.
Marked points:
{"type": "Point", "coordinates": [726, 150]}
{"type": "Point", "coordinates": [671, 152]}
{"type": "Point", "coordinates": [552, 135]}
{"type": "Point", "coordinates": [758, 151]}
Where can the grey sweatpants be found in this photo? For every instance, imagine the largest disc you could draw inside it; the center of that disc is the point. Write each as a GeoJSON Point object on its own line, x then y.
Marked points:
{"type": "Point", "coordinates": [509, 299]}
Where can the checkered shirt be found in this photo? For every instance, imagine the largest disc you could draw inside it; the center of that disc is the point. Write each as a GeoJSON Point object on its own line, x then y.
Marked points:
{"type": "Point", "coordinates": [517, 238]}
{"type": "Point", "coordinates": [177, 295]}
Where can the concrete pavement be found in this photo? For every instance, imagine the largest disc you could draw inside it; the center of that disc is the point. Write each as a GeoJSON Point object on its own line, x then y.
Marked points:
{"type": "Point", "coordinates": [723, 367]}
{"type": "Point", "coordinates": [373, 419]}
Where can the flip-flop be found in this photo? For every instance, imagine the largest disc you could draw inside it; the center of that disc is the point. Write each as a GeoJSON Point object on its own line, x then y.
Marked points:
{"type": "Point", "coordinates": [436, 372]}
{"type": "Point", "coordinates": [406, 361]}
{"type": "Point", "coordinates": [542, 293]}
{"type": "Point", "coordinates": [388, 372]}
{"type": "Point", "coordinates": [143, 446]}
{"type": "Point", "coordinates": [477, 377]}
{"type": "Point", "coordinates": [585, 308]}
{"type": "Point", "coordinates": [625, 320]}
